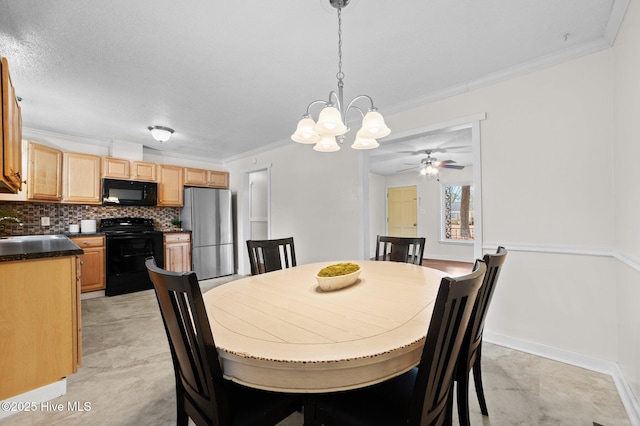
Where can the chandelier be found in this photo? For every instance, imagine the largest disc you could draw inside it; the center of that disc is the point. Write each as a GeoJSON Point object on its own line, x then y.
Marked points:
{"type": "Point", "coordinates": [330, 127]}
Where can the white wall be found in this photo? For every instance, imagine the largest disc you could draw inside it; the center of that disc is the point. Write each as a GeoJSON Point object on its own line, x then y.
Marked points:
{"type": "Point", "coordinates": [315, 197]}
{"type": "Point", "coordinates": [626, 152]}
{"type": "Point", "coordinates": [544, 134]}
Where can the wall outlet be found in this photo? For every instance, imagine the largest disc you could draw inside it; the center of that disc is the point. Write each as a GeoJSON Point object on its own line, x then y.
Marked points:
{"type": "Point", "coordinates": [44, 221]}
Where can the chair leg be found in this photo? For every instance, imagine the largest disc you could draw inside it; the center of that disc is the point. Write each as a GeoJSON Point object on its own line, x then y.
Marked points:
{"type": "Point", "coordinates": [462, 386]}
{"type": "Point", "coordinates": [477, 379]}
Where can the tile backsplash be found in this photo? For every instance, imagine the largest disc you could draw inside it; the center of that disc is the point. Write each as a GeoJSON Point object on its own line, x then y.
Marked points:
{"type": "Point", "coordinates": [63, 215]}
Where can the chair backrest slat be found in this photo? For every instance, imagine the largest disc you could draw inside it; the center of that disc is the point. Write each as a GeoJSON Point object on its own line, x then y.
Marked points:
{"type": "Point", "coordinates": [271, 255]}
{"type": "Point", "coordinates": [400, 249]}
{"type": "Point", "coordinates": [449, 321]}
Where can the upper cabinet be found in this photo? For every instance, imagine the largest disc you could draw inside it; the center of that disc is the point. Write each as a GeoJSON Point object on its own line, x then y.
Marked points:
{"type": "Point", "coordinates": [115, 168]}
{"type": "Point", "coordinates": [11, 156]}
{"type": "Point", "coordinates": [141, 170]}
{"type": "Point", "coordinates": [81, 178]}
{"type": "Point", "coordinates": [44, 179]}
{"type": "Point", "coordinates": [206, 178]}
{"type": "Point", "coordinates": [120, 168]}
{"type": "Point", "coordinates": [170, 186]}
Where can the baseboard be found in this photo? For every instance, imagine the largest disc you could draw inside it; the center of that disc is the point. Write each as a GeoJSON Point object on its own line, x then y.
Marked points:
{"type": "Point", "coordinates": [590, 363]}
{"type": "Point", "coordinates": [33, 399]}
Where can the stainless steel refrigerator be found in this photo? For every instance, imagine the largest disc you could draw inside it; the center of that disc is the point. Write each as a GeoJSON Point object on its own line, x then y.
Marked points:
{"type": "Point", "coordinates": [207, 214]}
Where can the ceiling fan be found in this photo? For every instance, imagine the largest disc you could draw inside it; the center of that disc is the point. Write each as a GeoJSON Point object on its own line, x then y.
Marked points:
{"type": "Point", "coordinates": [429, 165]}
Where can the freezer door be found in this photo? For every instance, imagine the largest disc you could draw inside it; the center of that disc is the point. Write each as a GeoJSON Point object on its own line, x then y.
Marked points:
{"type": "Point", "coordinates": [213, 261]}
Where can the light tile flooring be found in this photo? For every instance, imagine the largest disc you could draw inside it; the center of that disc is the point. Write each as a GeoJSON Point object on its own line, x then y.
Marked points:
{"type": "Point", "coordinates": [127, 377]}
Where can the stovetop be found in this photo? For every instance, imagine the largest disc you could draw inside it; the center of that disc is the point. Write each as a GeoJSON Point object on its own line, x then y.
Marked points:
{"type": "Point", "coordinates": [127, 225]}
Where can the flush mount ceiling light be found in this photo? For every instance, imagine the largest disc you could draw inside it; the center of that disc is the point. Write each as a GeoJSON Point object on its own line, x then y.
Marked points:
{"type": "Point", "coordinates": [331, 121]}
{"type": "Point", "coordinates": [160, 133]}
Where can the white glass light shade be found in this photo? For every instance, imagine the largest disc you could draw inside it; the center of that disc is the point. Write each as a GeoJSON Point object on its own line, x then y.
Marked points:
{"type": "Point", "coordinates": [327, 144]}
{"type": "Point", "coordinates": [305, 133]}
{"type": "Point", "coordinates": [161, 134]}
{"type": "Point", "coordinates": [429, 170]}
{"type": "Point", "coordinates": [330, 123]}
{"type": "Point", "coordinates": [364, 143]}
{"type": "Point", "coordinates": [373, 126]}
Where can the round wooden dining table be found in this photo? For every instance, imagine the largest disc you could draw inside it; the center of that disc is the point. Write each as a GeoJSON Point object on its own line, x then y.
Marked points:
{"type": "Point", "coordinates": [279, 331]}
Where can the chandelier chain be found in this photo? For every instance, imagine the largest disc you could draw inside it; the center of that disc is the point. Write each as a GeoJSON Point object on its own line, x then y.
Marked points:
{"type": "Point", "coordinates": [340, 74]}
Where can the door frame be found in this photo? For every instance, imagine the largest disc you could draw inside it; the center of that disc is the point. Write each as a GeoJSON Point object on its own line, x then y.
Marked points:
{"type": "Point", "coordinates": [243, 263]}
{"type": "Point", "coordinates": [473, 122]}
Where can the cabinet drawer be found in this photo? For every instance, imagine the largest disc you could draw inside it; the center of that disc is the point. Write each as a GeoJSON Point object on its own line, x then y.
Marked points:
{"type": "Point", "coordinates": [89, 241]}
{"type": "Point", "coordinates": [177, 238]}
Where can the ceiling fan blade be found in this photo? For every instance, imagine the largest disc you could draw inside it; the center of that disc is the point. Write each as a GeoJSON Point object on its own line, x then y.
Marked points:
{"type": "Point", "coordinates": [404, 170]}
{"type": "Point", "coordinates": [451, 166]}
{"type": "Point", "coordinates": [447, 162]}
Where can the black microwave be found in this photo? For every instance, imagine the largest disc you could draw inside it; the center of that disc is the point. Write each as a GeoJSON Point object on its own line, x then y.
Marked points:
{"type": "Point", "coordinates": [129, 193]}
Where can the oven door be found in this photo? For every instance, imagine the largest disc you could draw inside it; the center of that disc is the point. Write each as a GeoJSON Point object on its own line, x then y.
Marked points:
{"type": "Point", "coordinates": [126, 255]}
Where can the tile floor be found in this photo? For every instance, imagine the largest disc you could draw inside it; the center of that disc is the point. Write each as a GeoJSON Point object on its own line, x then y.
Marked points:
{"type": "Point", "coordinates": [127, 378]}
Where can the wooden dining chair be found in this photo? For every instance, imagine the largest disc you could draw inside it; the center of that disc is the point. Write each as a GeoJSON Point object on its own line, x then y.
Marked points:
{"type": "Point", "coordinates": [202, 393]}
{"type": "Point", "coordinates": [400, 249]}
{"type": "Point", "coordinates": [471, 351]}
{"type": "Point", "coordinates": [271, 255]}
{"type": "Point", "coordinates": [423, 395]}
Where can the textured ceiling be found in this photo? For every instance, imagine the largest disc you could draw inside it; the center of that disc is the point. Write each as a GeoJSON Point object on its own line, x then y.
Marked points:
{"type": "Point", "coordinates": [235, 77]}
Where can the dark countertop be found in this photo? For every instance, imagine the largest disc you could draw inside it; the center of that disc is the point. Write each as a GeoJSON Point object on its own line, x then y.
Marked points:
{"type": "Point", "coordinates": [36, 247]}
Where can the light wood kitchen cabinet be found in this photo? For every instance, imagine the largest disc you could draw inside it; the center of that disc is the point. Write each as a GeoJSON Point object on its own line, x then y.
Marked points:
{"type": "Point", "coordinates": [81, 178]}
{"type": "Point", "coordinates": [195, 177]}
{"type": "Point", "coordinates": [218, 179]}
{"type": "Point", "coordinates": [142, 170]}
{"type": "Point", "coordinates": [171, 186]}
{"type": "Point", "coordinates": [115, 168]}
{"type": "Point", "coordinates": [177, 252]}
{"type": "Point", "coordinates": [44, 173]}
{"type": "Point", "coordinates": [39, 313]}
{"type": "Point", "coordinates": [206, 178]}
{"type": "Point", "coordinates": [92, 262]}
{"type": "Point", "coordinates": [11, 134]}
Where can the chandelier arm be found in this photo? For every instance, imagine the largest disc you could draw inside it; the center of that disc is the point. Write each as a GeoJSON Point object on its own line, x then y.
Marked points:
{"type": "Point", "coordinates": [319, 101]}
{"type": "Point", "coordinates": [357, 98]}
{"type": "Point", "coordinates": [362, 113]}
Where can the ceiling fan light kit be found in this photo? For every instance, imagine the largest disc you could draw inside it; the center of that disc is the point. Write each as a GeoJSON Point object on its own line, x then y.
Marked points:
{"type": "Point", "coordinates": [332, 118]}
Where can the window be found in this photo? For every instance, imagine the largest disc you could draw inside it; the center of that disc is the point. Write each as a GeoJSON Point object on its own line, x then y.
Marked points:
{"type": "Point", "coordinates": [457, 209]}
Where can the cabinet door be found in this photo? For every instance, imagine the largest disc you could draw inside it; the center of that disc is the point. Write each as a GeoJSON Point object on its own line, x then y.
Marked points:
{"type": "Point", "coordinates": [11, 156]}
{"type": "Point", "coordinates": [92, 263]}
{"type": "Point", "coordinates": [177, 252]}
{"type": "Point", "coordinates": [171, 186]}
{"type": "Point", "coordinates": [80, 178]}
{"type": "Point", "coordinates": [44, 181]}
{"type": "Point", "coordinates": [195, 177]}
{"type": "Point", "coordinates": [218, 179]}
{"type": "Point", "coordinates": [144, 171]}
{"type": "Point", "coordinates": [115, 168]}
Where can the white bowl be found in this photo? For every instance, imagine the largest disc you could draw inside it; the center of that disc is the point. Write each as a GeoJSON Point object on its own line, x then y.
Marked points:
{"type": "Point", "coordinates": [337, 282]}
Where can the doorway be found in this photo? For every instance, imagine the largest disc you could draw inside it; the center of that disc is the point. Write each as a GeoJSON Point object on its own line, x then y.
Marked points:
{"type": "Point", "coordinates": [256, 211]}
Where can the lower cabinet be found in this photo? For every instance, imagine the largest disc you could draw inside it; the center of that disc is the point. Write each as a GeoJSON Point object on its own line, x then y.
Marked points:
{"type": "Point", "coordinates": [39, 323]}
{"type": "Point", "coordinates": [92, 262]}
{"type": "Point", "coordinates": [177, 252]}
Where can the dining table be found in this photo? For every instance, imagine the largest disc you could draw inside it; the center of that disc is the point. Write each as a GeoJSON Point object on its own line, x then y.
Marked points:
{"type": "Point", "coordinates": [280, 331]}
